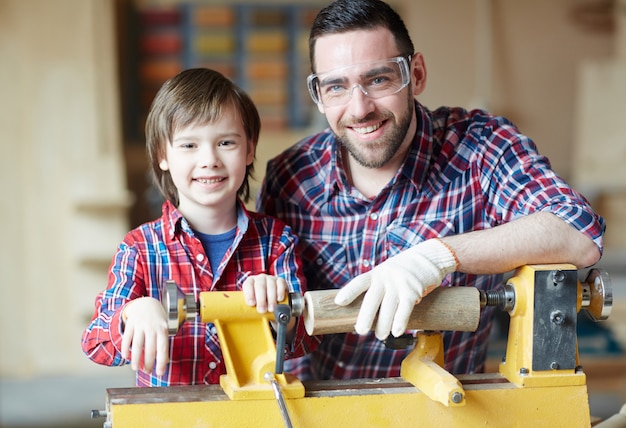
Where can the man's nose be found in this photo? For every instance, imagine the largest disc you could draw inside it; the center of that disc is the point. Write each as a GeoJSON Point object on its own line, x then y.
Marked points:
{"type": "Point", "coordinates": [359, 103]}
{"type": "Point", "coordinates": [359, 86]}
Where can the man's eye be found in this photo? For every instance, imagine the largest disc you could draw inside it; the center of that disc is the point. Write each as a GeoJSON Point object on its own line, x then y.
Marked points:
{"type": "Point", "coordinates": [225, 143]}
{"type": "Point", "coordinates": [380, 80]}
{"type": "Point", "coordinates": [333, 89]}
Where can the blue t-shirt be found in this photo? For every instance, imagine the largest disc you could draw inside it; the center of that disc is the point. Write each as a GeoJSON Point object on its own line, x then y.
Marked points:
{"type": "Point", "coordinates": [215, 246]}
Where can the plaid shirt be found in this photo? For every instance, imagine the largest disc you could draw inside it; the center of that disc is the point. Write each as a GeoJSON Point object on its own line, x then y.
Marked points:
{"type": "Point", "coordinates": [167, 249]}
{"type": "Point", "coordinates": [465, 171]}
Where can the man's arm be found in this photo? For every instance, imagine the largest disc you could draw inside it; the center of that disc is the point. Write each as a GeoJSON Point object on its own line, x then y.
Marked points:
{"type": "Point", "coordinates": [393, 287]}
{"type": "Point", "coordinates": [540, 237]}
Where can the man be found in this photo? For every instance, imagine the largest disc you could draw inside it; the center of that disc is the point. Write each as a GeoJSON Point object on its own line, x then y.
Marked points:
{"type": "Point", "coordinates": [395, 199]}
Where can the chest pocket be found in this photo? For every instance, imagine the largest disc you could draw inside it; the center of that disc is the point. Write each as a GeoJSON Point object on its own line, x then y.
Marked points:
{"type": "Point", "coordinates": [402, 237]}
{"type": "Point", "coordinates": [324, 265]}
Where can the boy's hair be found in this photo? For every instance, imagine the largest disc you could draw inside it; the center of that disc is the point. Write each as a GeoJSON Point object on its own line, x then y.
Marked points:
{"type": "Point", "coordinates": [350, 15]}
{"type": "Point", "coordinates": [195, 96]}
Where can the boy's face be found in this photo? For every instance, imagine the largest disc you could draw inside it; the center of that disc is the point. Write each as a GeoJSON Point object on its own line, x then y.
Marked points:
{"type": "Point", "coordinates": [208, 163]}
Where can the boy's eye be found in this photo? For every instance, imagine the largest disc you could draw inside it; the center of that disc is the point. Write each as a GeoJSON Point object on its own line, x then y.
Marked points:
{"type": "Point", "coordinates": [185, 145]}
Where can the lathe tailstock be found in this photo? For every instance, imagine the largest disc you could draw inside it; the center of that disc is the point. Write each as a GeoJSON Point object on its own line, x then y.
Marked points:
{"type": "Point", "coordinates": [540, 382]}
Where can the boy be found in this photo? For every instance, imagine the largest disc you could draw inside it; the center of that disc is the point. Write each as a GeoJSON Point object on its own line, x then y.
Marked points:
{"type": "Point", "coordinates": [201, 134]}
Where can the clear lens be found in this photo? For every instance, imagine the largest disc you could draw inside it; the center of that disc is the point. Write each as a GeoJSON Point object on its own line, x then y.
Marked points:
{"type": "Point", "coordinates": [375, 79]}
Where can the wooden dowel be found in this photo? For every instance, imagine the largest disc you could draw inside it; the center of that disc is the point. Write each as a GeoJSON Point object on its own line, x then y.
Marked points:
{"type": "Point", "coordinates": [445, 308]}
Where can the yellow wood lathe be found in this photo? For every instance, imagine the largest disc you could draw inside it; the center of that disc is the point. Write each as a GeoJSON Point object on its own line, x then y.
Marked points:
{"type": "Point", "coordinates": [540, 382]}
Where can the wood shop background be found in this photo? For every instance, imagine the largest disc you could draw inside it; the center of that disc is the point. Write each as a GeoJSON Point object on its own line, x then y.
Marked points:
{"type": "Point", "coordinates": [76, 77]}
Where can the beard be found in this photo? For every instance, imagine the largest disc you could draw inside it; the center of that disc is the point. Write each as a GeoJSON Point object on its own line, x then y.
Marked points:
{"type": "Point", "coordinates": [376, 154]}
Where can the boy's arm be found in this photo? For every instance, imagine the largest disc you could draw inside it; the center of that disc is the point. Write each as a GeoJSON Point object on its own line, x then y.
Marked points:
{"type": "Point", "coordinates": [146, 335]}
{"type": "Point", "coordinates": [102, 339]}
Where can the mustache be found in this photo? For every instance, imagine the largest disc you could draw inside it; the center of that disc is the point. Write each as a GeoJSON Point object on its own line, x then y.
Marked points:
{"type": "Point", "coordinates": [370, 117]}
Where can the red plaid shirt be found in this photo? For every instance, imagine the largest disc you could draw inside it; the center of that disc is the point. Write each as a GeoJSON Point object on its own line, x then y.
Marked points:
{"type": "Point", "coordinates": [166, 249]}
{"type": "Point", "coordinates": [465, 171]}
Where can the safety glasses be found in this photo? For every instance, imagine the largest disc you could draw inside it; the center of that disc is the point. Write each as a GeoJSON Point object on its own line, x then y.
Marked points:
{"type": "Point", "coordinates": [374, 79]}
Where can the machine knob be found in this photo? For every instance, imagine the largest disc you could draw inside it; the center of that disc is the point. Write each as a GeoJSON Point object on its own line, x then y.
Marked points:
{"type": "Point", "coordinates": [178, 307]}
{"type": "Point", "coordinates": [597, 294]}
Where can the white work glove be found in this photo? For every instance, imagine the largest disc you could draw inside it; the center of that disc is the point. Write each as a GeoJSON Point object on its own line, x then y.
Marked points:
{"type": "Point", "coordinates": [145, 337]}
{"type": "Point", "coordinates": [396, 285]}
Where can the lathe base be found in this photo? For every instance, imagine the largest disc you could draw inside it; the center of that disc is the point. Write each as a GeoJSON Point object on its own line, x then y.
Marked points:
{"type": "Point", "coordinates": [490, 401]}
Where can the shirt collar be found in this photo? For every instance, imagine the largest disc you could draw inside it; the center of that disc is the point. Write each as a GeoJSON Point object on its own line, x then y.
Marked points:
{"type": "Point", "coordinates": [333, 175]}
{"type": "Point", "coordinates": [172, 219]}
{"type": "Point", "coordinates": [416, 165]}
{"type": "Point", "coordinates": [175, 223]}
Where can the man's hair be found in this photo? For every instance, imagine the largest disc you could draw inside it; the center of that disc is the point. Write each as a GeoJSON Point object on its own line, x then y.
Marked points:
{"type": "Point", "coordinates": [195, 96]}
{"type": "Point", "coordinates": [350, 15]}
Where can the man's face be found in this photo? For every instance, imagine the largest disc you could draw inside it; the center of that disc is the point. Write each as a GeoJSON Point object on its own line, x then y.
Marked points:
{"type": "Point", "coordinates": [372, 130]}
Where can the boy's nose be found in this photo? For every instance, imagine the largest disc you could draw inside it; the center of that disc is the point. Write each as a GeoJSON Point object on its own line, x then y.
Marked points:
{"type": "Point", "coordinates": [209, 158]}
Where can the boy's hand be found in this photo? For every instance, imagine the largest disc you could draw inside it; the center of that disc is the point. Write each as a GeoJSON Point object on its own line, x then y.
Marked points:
{"type": "Point", "coordinates": [145, 335]}
{"type": "Point", "coordinates": [264, 291]}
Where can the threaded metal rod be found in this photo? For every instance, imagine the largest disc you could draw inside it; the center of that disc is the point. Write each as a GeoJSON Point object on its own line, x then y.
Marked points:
{"type": "Point", "coordinates": [503, 299]}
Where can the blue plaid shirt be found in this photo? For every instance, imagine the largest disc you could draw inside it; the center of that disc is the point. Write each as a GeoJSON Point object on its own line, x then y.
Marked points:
{"type": "Point", "coordinates": [465, 171]}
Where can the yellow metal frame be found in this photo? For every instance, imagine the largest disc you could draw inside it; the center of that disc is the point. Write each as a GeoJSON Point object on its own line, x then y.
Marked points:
{"type": "Point", "coordinates": [425, 394]}
{"type": "Point", "coordinates": [248, 347]}
{"type": "Point", "coordinates": [491, 401]}
{"type": "Point", "coordinates": [423, 367]}
{"type": "Point", "coordinates": [517, 366]}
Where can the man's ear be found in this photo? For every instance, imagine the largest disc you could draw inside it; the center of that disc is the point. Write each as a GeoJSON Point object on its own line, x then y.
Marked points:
{"type": "Point", "coordinates": [418, 73]}
{"type": "Point", "coordinates": [163, 165]}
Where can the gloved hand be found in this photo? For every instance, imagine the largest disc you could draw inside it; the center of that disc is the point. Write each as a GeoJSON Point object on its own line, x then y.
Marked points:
{"type": "Point", "coordinates": [396, 285]}
{"type": "Point", "coordinates": [145, 335]}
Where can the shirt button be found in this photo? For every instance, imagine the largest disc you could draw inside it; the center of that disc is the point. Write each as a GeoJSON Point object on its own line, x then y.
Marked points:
{"type": "Point", "coordinates": [213, 330]}
{"type": "Point", "coordinates": [319, 261]}
{"type": "Point", "coordinates": [341, 364]}
{"type": "Point", "coordinates": [366, 263]}
{"type": "Point", "coordinates": [374, 216]}
{"type": "Point", "coordinates": [200, 257]}
{"type": "Point", "coordinates": [212, 365]}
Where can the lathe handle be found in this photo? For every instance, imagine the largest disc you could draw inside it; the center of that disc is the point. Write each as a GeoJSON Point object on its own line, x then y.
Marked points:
{"type": "Point", "coordinates": [445, 308]}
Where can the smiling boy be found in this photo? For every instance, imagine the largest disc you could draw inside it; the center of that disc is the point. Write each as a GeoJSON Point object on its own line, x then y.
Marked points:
{"type": "Point", "coordinates": [201, 132]}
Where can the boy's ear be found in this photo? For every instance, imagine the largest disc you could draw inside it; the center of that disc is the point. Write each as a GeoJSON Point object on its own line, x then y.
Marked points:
{"type": "Point", "coordinates": [163, 165]}
{"type": "Point", "coordinates": [250, 152]}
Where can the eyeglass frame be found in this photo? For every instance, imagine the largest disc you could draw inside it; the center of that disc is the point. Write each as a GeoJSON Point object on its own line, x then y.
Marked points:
{"type": "Point", "coordinates": [404, 62]}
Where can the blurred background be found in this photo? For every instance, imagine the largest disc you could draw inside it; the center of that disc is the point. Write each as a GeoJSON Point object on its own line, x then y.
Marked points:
{"type": "Point", "coordinates": [77, 76]}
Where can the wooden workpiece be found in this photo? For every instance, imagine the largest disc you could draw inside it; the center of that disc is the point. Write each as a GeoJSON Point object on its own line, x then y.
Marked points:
{"type": "Point", "coordinates": [445, 308]}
